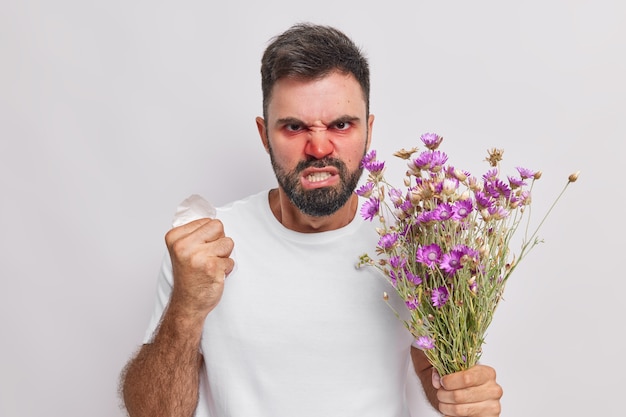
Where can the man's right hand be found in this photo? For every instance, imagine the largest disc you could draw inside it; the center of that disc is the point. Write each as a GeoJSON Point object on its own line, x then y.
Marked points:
{"type": "Point", "coordinates": [200, 254]}
{"type": "Point", "coordinates": [163, 378]}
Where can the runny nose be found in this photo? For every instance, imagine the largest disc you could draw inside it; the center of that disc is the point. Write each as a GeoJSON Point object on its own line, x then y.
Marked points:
{"type": "Point", "coordinates": [319, 144]}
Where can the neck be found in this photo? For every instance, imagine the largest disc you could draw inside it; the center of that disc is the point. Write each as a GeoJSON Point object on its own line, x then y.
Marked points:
{"type": "Point", "coordinates": [292, 218]}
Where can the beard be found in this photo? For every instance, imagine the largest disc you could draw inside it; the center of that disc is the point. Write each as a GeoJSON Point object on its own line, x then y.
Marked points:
{"type": "Point", "coordinates": [318, 202]}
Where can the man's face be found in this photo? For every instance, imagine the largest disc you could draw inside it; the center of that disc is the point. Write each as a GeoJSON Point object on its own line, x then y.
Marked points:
{"type": "Point", "coordinates": [316, 134]}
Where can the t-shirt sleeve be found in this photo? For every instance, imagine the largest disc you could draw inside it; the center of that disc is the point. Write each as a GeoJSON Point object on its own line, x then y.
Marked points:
{"type": "Point", "coordinates": [165, 283]}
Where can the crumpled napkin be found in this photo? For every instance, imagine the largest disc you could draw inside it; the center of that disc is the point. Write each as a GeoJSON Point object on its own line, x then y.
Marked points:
{"type": "Point", "coordinates": [193, 208]}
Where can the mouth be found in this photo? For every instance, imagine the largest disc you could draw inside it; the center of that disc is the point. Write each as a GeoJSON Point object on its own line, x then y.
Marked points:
{"type": "Point", "coordinates": [320, 177]}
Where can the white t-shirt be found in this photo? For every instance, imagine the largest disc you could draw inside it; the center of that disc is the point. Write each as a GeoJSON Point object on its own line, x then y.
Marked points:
{"type": "Point", "coordinates": [299, 331]}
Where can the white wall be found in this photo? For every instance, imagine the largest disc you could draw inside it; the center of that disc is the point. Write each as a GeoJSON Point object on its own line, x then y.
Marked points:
{"type": "Point", "coordinates": [111, 112]}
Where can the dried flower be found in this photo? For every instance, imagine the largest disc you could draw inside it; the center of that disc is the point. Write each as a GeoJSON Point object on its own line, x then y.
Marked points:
{"type": "Point", "coordinates": [445, 245]}
{"type": "Point", "coordinates": [573, 177]}
{"type": "Point", "coordinates": [405, 154]}
{"type": "Point", "coordinates": [494, 156]}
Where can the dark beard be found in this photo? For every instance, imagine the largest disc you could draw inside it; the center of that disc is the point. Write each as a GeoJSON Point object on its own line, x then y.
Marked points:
{"type": "Point", "coordinates": [319, 202]}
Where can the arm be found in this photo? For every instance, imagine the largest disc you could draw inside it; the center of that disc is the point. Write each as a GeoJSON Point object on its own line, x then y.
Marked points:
{"type": "Point", "coordinates": [162, 379]}
{"type": "Point", "coordinates": [424, 371]}
{"type": "Point", "coordinates": [470, 393]}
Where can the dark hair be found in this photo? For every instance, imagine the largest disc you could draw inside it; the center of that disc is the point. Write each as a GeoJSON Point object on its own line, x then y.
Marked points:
{"type": "Point", "coordinates": [309, 51]}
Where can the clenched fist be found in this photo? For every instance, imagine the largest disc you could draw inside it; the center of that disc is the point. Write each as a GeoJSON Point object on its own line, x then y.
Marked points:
{"type": "Point", "coordinates": [200, 254]}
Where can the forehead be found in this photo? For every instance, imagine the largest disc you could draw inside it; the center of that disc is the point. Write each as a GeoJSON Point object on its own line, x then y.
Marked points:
{"type": "Point", "coordinates": [326, 98]}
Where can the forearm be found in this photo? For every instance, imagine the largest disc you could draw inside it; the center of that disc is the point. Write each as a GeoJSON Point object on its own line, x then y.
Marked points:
{"type": "Point", "coordinates": [424, 371]}
{"type": "Point", "coordinates": [163, 378]}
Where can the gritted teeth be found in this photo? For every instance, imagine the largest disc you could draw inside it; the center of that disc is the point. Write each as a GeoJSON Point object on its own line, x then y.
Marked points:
{"type": "Point", "coordinates": [318, 176]}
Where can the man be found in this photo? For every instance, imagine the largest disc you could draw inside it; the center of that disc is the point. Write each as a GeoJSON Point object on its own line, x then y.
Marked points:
{"type": "Point", "coordinates": [261, 311]}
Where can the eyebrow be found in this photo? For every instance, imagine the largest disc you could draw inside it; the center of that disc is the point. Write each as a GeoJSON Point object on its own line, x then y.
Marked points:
{"type": "Point", "coordinates": [293, 120]}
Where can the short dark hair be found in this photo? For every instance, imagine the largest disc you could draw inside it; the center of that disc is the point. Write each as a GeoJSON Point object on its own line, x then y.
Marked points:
{"type": "Point", "coordinates": [309, 51]}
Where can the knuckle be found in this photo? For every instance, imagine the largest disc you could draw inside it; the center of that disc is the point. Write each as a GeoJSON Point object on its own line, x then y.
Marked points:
{"type": "Point", "coordinates": [498, 392]}
{"type": "Point", "coordinates": [170, 237]}
{"type": "Point", "coordinates": [458, 396]}
{"type": "Point", "coordinates": [216, 227]}
{"type": "Point", "coordinates": [214, 268]}
{"type": "Point", "coordinates": [227, 244]}
{"type": "Point", "coordinates": [468, 379]}
{"type": "Point", "coordinates": [178, 247]}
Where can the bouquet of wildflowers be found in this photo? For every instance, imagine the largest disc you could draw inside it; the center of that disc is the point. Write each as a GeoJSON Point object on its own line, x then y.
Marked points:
{"type": "Point", "coordinates": [445, 245]}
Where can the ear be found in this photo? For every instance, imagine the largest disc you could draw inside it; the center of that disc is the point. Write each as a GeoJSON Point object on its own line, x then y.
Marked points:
{"type": "Point", "coordinates": [260, 125]}
{"type": "Point", "coordinates": [370, 126]}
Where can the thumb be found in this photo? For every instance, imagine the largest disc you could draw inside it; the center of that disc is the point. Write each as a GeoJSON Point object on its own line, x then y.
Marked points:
{"type": "Point", "coordinates": [436, 379]}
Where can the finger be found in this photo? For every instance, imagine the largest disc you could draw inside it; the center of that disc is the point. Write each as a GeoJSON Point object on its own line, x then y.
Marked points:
{"type": "Point", "coordinates": [196, 232]}
{"type": "Point", "coordinates": [228, 265]}
{"type": "Point", "coordinates": [176, 232]}
{"type": "Point", "coordinates": [473, 377]}
{"type": "Point", "coordinates": [217, 255]}
{"type": "Point", "coordinates": [481, 409]}
{"type": "Point", "coordinates": [436, 379]}
{"type": "Point", "coordinates": [213, 257]}
{"type": "Point", "coordinates": [483, 393]}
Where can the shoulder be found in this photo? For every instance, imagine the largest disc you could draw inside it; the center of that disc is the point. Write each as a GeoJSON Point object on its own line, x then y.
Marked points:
{"type": "Point", "coordinates": [254, 206]}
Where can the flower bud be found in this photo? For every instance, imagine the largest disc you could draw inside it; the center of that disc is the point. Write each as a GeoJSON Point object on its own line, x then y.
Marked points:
{"type": "Point", "coordinates": [415, 197]}
{"type": "Point", "coordinates": [460, 175]}
{"type": "Point", "coordinates": [537, 175]}
{"type": "Point", "coordinates": [574, 176]}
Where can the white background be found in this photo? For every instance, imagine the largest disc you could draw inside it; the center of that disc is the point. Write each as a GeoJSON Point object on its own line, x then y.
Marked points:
{"type": "Point", "coordinates": [112, 112]}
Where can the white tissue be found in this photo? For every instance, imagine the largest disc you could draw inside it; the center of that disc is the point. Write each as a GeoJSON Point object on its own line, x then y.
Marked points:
{"type": "Point", "coordinates": [193, 208]}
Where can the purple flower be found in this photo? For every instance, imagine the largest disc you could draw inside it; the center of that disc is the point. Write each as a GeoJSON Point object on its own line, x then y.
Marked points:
{"type": "Point", "coordinates": [370, 208]}
{"type": "Point", "coordinates": [370, 163]}
{"type": "Point", "coordinates": [491, 175]}
{"type": "Point", "coordinates": [524, 198]}
{"type": "Point", "coordinates": [375, 167]}
{"type": "Point", "coordinates": [369, 157]}
{"type": "Point", "coordinates": [442, 212]}
{"type": "Point", "coordinates": [516, 182]}
{"type": "Point", "coordinates": [413, 278]}
{"type": "Point", "coordinates": [439, 296]}
{"type": "Point", "coordinates": [431, 160]}
{"type": "Point", "coordinates": [393, 277]}
{"type": "Point", "coordinates": [425, 217]}
{"type": "Point", "coordinates": [365, 190]}
{"type": "Point", "coordinates": [462, 209]}
{"type": "Point", "coordinates": [451, 262]}
{"type": "Point", "coordinates": [525, 173]}
{"type": "Point", "coordinates": [396, 197]}
{"type": "Point", "coordinates": [406, 206]}
{"type": "Point", "coordinates": [424, 343]}
{"type": "Point", "coordinates": [397, 262]}
{"type": "Point", "coordinates": [412, 303]}
{"type": "Point", "coordinates": [498, 212]}
{"type": "Point", "coordinates": [466, 250]}
{"type": "Point", "coordinates": [429, 255]}
{"type": "Point", "coordinates": [431, 140]}
{"type": "Point", "coordinates": [482, 200]}
{"type": "Point", "coordinates": [388, 240]}
{"type": "Point", "coordinates": [498, 188]}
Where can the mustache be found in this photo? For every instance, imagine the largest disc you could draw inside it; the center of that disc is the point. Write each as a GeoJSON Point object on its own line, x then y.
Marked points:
{"type": "Point", "coordinates": [320, 163]}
